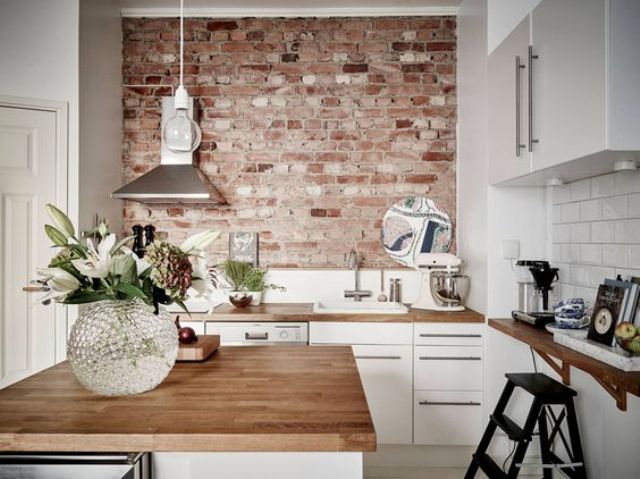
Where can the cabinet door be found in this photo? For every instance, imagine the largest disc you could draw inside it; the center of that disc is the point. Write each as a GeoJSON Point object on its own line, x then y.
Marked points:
{"type": "Point", "coordinates": [448, 368]}
{"type": "Point", "coordinates": [386, 373]}
{"type": "Point", "coordinates": [569, 80]}
{"type": "Point", "coordinates": [448, 418]}
{"type": "Point", "coordinates": [508, 112]}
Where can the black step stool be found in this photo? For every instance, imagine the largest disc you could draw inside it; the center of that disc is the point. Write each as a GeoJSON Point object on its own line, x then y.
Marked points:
{"type": "Point", "coordinates": [545, 392]}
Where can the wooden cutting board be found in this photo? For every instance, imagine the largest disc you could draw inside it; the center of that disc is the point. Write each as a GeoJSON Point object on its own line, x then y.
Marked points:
{"type": "Point", "coordinates": [200, 349]}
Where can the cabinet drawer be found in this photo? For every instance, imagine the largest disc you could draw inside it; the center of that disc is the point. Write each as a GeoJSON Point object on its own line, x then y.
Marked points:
{"type": "Point", "coordinates": [447, 418]}
{"type": "Point", "coordinates": [385, 372]}
{"type": "Point", "coordinates": [449, 368]}
{"type": "Point", "coordinates": [448, 334]}
{"type": "Point", "coordinates": [360, 333]}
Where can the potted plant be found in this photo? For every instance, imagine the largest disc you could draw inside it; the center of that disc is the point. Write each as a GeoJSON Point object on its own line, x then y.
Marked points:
{"type": "Point", "coordinates": [247, 283]}
{"type": "Point", "coordinates": [123, 341]}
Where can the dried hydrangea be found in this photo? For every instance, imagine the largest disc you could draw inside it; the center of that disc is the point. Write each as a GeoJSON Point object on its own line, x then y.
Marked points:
{"type": "Point", "coordinates": [171, 269]}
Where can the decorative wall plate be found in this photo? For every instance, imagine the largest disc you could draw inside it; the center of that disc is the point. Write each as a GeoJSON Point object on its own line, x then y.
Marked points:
{"type": "Point", "coordinates": [415, 225]}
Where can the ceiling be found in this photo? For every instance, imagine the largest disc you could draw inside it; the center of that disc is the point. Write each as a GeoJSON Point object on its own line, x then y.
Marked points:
{"type": "Point", "coordinates": [288, 7]}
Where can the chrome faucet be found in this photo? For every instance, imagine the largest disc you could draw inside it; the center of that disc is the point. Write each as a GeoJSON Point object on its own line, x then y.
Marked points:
{"type": "Point", "coordinates": [353, 262]}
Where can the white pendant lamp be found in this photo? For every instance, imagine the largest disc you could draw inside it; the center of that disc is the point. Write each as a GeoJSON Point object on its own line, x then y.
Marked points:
{"type": "Point", "coordinates": [180, 133]}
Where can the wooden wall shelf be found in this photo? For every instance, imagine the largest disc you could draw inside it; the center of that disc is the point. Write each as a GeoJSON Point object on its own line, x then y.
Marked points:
{"type": "Point", "coordinates": [615, 381]}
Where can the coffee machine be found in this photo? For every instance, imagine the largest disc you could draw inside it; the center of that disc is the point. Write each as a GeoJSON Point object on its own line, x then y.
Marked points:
{"type": "Point", "coordinates": [534, 292]}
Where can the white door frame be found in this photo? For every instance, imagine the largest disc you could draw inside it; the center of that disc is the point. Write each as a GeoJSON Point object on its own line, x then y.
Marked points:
{"type": "Point", "coordinates": [63, 201]}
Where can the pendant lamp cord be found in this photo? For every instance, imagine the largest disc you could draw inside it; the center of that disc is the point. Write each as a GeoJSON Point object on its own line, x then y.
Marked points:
{"type": "Point", "coordinates": [181, 38]}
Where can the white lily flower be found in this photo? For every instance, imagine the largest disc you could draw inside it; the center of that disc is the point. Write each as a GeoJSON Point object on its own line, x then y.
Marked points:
{"type": "Point", "coordinates": [59, 280]}
{"type": "Point", "coordinates": [96, 265]}
{"type": "Point", "coordinates": [141, 264]}
{"type": "Point", "coordinates": [202, 286]}
{"type": "Point", "coordinates": [199, 241]}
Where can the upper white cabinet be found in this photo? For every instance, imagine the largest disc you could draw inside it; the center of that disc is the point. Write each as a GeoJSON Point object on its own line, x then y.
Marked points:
{"type": "Point", "coordinates": [578, 101]}
{"type": "Point", "coordinates": [508, 107]}
{"type": "Point", "coordinates": [569, 80]}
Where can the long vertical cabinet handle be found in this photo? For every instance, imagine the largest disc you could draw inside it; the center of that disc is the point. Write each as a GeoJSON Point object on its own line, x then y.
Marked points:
{"type": "Point", "coordinates": [532, 140]}
{"type": "Point", "coordinates": [519, 66]}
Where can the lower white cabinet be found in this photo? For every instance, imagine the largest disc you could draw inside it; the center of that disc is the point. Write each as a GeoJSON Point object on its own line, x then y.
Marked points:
{"type": "Point", "coordinates": [384, 355]}
{"type": "Point", "coordinates": [388, 384]}
{"type": "Point", "coordinates": [448, 368]}
{"type": "Point", "coordinates": [423, 381]}
{"type": "Point", "coordinates": [447, 418]}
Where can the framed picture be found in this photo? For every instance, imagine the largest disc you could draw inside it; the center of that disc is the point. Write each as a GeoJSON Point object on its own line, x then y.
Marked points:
{"type": "Point", "coordinates": [243, 246]}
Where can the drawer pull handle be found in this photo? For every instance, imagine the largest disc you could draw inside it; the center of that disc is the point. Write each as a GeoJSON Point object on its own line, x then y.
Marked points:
{"type": "Point", "coordinates": [450, 358]}
{"type": "Point", "coordinates": [450, 335]}
{"type": "Point", "coordinates": [256, 336]}
{"type": "Point", "coordinates": [378, 357]}
{"type": "Point", "coordinates": [448, 403]}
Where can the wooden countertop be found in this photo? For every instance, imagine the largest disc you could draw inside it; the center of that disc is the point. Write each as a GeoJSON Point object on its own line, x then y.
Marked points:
{"type": "Point", "coordinates": [616, 381]}
{"type": "Point", "coordinates": [254, 398]}
{"type": "Point", "coordinates": [304, 312]}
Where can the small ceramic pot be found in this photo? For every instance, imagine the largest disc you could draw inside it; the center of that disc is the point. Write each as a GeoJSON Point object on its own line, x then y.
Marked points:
{"type": "Point", "coordinates": [256, 297]}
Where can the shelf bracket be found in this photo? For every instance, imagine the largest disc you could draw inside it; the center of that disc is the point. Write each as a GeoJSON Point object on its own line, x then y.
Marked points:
{"type": "Point", "coordinates": [563, 369]}
{"type": "Point", "coordinates": [618, 392]}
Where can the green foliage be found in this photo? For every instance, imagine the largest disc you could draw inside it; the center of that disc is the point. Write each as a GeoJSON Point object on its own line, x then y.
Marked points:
{"type": "Point", "coordinates": [236, 273]}
{"type": "Point", "coordinates": [255, 279]}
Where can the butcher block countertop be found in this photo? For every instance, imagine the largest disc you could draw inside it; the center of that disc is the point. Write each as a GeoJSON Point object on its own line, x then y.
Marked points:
{"type": "Point", "coordinates": [304, 312]}
{"type": "Point", "coordinates": [252, 398]}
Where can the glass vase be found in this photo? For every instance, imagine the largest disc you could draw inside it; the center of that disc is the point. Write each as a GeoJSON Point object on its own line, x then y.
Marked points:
{"type": "Point", "coordinates": [121, 348]}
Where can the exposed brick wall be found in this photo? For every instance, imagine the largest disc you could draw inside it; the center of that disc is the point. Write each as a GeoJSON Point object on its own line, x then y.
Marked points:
{"type": "Point", "coordinates": [311, 127]}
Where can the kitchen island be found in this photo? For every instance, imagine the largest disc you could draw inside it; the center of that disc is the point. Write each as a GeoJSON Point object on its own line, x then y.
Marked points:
{"type": "Point", "coordinates": [296, 411]}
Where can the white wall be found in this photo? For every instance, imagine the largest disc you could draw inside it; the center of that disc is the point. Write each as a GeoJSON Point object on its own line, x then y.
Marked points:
{"type": "Point", "coordinates": [504, 16]}
{"type": "Point", "coordinates": [39, 59]}
{"type": "Point", "coordinates": [472, 149]}
{"type": "Point", "coordinates": [100, 112]}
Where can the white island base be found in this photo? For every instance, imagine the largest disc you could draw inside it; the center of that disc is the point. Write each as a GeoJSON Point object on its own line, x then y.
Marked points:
{"type": "Point", "coordinates": [263, 465]}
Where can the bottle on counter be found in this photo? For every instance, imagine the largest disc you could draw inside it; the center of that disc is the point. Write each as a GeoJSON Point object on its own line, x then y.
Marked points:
{"type": "Point", "coordinates": [138, 241]}
{"type": "Point", "coordinates": [395, 290]}
{"type": "Point", "coordinates": [149, 235]}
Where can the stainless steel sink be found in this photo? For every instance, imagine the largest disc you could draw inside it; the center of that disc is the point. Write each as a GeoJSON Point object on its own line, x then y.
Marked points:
{"type": "Point", "coordinates": [365, 307]}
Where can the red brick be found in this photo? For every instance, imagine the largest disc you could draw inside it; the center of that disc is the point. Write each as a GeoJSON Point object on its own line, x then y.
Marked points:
{"type": "Point", "coordinates": [318, 132]}
{"type": "Point", "coordinates": [214, 26]}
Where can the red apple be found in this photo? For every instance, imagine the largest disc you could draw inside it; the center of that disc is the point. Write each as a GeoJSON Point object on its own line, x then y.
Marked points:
{"type": "Point", "coordinates": [187, 335]}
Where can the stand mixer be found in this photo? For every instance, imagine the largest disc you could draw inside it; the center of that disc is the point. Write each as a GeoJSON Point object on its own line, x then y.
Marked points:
{"type": "Point", "coordinates": [443, 288]}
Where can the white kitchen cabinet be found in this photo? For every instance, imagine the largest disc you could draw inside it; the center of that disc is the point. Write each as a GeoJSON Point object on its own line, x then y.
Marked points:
{"type": "Point", "coordinates": [384, 355]}
{"type": "Point", "coordinates": [508, 107]}
{"type": "Point", "coordinates": [447, 417]}
{"type": "Point", "coordinates": [448, 368]}
{"type": "Point", "coordinates": [386, 373]}
{"type": "Point", "coordinates": [579, 98]}
{"type": "Point", "coordinates": [448, 334]}
{"type": "Point", "coordinates": [569, 80]}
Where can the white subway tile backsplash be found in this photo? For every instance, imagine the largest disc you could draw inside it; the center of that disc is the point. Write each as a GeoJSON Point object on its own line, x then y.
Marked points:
{"type": "Point", "coordinates": [591, 210]}
{"type": "Point", "coordinates": [570, 213]}
{"type": "Point", "coordinates": [627, 182]}
{"type": "Point", "coordinates": [580, 232]}
{"type": "Point", "coordinates": [634, 256]}
{"type": "Point", "coordinates": [561, 194]}
{"type": "Point", "coordinates": [601, 232]}
{"type": "Point", "coordinates": [614, 208]}
{"type": "Point", "coordinates": [634, 206]}
{"type": "Point", "coordinates": [590, 253]}
{"type": "Point", "coordinates": [580, 190]}
{"type": "Point", "coordinates": [596, 232]}
{"type": "Point", "coordinates": [615, 255]}
{"type": "Point", "coordinates": [562, 233]}
{"type": "Point", "coordinates": [602, 186]}
{"type": "Point", "coordinates": [627, 231]}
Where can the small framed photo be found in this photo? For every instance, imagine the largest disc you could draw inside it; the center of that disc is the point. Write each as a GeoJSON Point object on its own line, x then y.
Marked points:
{"type": "Point", "coordinates": [243, 246]}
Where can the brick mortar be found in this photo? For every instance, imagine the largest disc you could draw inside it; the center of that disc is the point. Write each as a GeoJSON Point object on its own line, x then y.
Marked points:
{"type": "Point", "coordinates": [311, 127]}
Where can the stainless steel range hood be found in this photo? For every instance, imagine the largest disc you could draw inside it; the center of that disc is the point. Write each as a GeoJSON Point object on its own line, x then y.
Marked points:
{"type": "Point", "coordinates": [175, 180]}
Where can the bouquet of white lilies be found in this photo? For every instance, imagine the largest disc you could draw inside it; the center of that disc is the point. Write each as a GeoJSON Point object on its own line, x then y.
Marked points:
{"type": "Point", "coordinates": [85, 272]}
